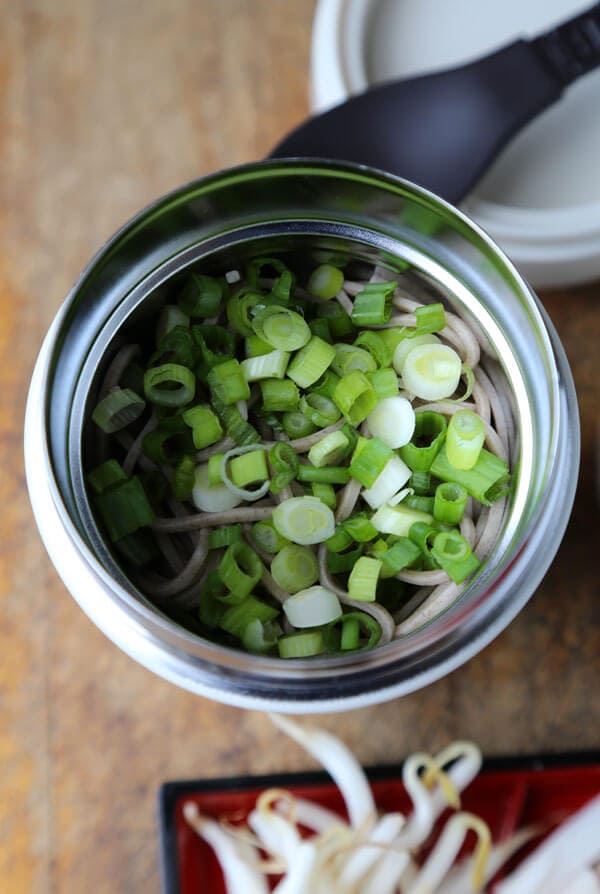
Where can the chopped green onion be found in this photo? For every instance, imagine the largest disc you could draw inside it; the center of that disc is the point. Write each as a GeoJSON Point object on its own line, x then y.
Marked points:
{"type": "Point", "coordinates": [367, 625]}
{"type": "Point", "coordinates": [176, 346]}
{"type": "Point", "coordinates": [212, 497]}
{"type": "Point", "coordinates": [350, 635]}
{"type": "Point", "coordinates": [294, 568]}
{"type": "Point", "coordinates": [329, 450]}
{"type": "Point", "coordinates": [452, 553]}
{"type": "Point", "coordinates": [216, 346]}
{"type": "Point", "coordinates": [105, 476]}
{"type": "Point", "coordinates": [392, 336]}
{"type": "Point", "coordinates": [235, 425]}
{"type": "Point", "coordinates": [376, 346]}
{"type": "Point", "coordinates": [223, 537]}
{"type": "Point", "coordinates": [239, 307]}
{"type": "Point", "coordinates": [138, 548]}
{"type": "Point", "coordinates": [304, 520]}
{"type": "Point", "coordinates": [405, 346]}
{"type": "Point", "coordinates": [373, 306]}
{"type": "Point", "coordinates": [385, 383]}
{"type": "Point", "coordinates": [260, 636]}
{"type": "Point", "coordinates": [206, 428]}
{"type": "Point", "coordinates": [325, 493]}
{"type": "Point", "coordinates": [308, 474]}
{"type": "Point", "coordinates": [449, 504]}
{"type": "Point", "coordinates": [118, 409]}
{"type": "Point", "coordinates": [240, 569]}
{"type": "Point", "coordinates": [284, 465]}
{"type": "Point", "coordinates": [427, 441]}
{"type": "Point", "coordinates": [340, 324]}
{"type": "Point", "coordinates": [266, 538]}
{"type": "Point", "coordinates": [340, 540]}
{"type": "Point", "coordinates": [399, 555]}
{"type": "Point", "coordinates": [254, 471]}
{"type": "Point", "coordinates": [310, 362]}
{"type": "Point", "coordinates": [279, 396]}
{"type": "Point", "coordinates": [296, 425]}
{"type": "Point", "coordinates": [165, 446]}
{"type": "Point", "coordinates": [201, 296]}
{"type": "Point", "coordinates": [398, 519]}
{"type": "Point", "coordinates": [238, 616]}
{"type": "Point", "coordinates": [325, 282]}
{"type": "Point", "coordinates": [339, 563]}
{"type": "Point", "coordinates": [124, 508]}
{"type": "Point", "coordinates": [348, 358]}
{"type": "Point", "coordinates": [267, 366]}
{"type": "Point", "coordinates": [420, 482]}
{"type": "Point", "coordinates": [422, 503]}
{"type": "Point", "coordinates": [326, 384]}
{"type": "Point", "coordinates": [319, 409]}
{"type": "Point", "coordinates": [391, 479]}
{"type": "Point", "coordinates": [282, 328]}
{"type": "Point", "coordinates": [249, 468]}
{"type": "Point", "coordinates": [362, 583]}
{"type": "Point", "coordinates": [184, 476]}
{"type": "Point", "coordinates": [422, 534]}
{"type": "Point", "coordinates": [464, 440]}
{"type": "Point", "coordinates": [486, 481]}
{"type": "Point", "coordinates": [432, 372]}
{"type": "Point", "coordinates": [355, 397]}
{"type": "Point", "coordinates": [169, 385]}
{"type": "Point", "coordinates": [255, 269]}
{"type": "Point", "coordinates": [369, 460]}
{"type": "Point", "coordinates": [312, 607]}
{"type": "Point", "coordinates": [214, 469]}
{"type": "Point", "coordinates": [320, 328]}
{"type": "Point", "coordinates": [392, 421]}
{"type": "Point", "coordinates": [256, 347]}
{"type": "Point", "coordinates": [170, 318]}
{"type": "Point", "coordinates": [360, 528]}
{"type": "Point", "coordinates": [301, 645]}
{"type": "Point", "coordinates": [430, 318]}
{"type": "Point", "coordinates": [227, 382]}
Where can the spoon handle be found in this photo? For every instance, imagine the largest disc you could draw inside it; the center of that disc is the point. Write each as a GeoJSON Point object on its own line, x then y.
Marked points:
{"type": "Point", "coordinates": [573, 48]}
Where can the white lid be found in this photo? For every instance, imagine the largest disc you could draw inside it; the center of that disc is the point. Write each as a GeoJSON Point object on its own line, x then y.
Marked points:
{"type": "Point", "coordinates": [541, 198]}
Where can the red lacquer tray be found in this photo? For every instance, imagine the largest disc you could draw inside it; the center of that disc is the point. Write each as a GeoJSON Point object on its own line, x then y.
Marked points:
{"type": "Point", "coordinates": [509, 793]}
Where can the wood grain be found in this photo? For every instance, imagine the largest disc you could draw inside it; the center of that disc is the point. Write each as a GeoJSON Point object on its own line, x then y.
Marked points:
{"type": "Point", "coordinates": [103, 106]}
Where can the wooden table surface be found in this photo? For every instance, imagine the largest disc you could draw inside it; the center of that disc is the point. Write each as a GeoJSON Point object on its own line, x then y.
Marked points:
{"type": "Point", "coordinates": [103, 106]}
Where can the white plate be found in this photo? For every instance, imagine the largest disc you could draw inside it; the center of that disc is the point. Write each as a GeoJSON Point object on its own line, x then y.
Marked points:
{"type": "Point", "coordinates": [541, 199]}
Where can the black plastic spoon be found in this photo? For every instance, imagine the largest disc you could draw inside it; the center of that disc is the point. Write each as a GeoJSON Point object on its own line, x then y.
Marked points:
{"type": "Point", "coordinates": [443, 130]}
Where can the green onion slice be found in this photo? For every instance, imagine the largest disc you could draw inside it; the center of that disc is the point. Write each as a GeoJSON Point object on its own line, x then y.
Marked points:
{"type": "Point", "coordinates": [295, 568]}
{"type": "Point", "coordinates": [427, 440]}
{"type": "Point", "coordinates": [240, 569]}
{"type": "Point", "coordinates": [312, 607]}
{"type": "Point", "coordinates": [284, 465]}
{"type": "Point", "coordinates": [325, 282]}
{"type": "Point", "coordinates": [452, 553]}
{"type": "Point", "coordinates": [210, 497]}
{"type": "Point", "coordinates": [367, 625]}
{"type": "Point", "coordinates": [282, 328]}
{"type": "Point", "coordinates": [267, 366]}
{"type": "Point", "coordinates": [432, 372]}
{"type": "Point", "coordinates": [449, 503]}
{"type": "Point", "coordinates": [246, 472]}
{"type": "Point", "coordinates": [304, 520]}
{"type": "Point", "coordinates": [486, 481]}
{"type": "Point", "coordinates": [301, 645]}
{"type": "Point", "coordinates": [362, 583]}
{"type": "Point", "coordinates": [464, 440]}
{"type": "Point", "coordinates": [355, 397]}
{"type": "Point", "coordinates": [169, 385]}
{"type": "Point", "coordinates": [310, 362]}
{"type": "Point", "coordinates": [117, 410]}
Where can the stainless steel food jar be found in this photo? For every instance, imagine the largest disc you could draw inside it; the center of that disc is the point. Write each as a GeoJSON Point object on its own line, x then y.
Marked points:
{"type": "Point", "coordinates": [303, 208]}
